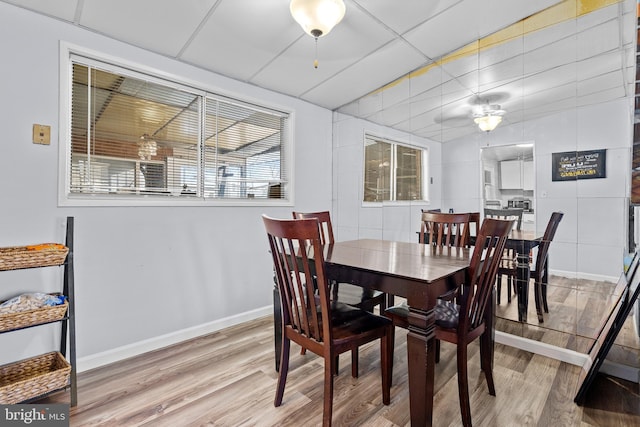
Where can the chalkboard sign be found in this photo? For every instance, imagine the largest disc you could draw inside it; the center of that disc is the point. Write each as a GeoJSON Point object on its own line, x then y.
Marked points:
{"type": "Point", "coordinates": [572, 165]}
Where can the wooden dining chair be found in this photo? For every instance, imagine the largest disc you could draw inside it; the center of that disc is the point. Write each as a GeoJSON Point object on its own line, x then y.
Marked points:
{"type": "Point", "coordinates": [346, 293]}
{"type": "Point", "coordinates": [539, 270]}
{"type": "Point", "coordinates": [357, 296]}
{"type": "Point", "coordinates": [473, 229]}
{"type": "Point", "coordinates": [509, 258]}
{"type": "Point", "coordinates": [309, 317]}
{"type": "Point", "coordinates": [462, 320]}
{"type": "Point", "coordinates": [444, 229]}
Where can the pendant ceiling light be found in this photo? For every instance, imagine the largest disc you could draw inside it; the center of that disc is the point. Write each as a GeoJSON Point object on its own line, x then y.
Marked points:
{"type": "Point", "coordinates": [147, 147]}
{"type": "Point", "coordinates": [317, 17]}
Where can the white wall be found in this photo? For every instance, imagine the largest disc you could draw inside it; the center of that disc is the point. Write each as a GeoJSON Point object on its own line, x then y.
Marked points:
{"type": "Point", "coordinates": [591, 238]}
{"type": "Point", "coordinates": [141, 272]}
{"type": "Point", "coordinates": [386, 221]}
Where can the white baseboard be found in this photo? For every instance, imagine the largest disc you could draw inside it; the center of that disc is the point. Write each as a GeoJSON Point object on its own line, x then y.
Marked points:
{"type": "Point", "coordinates": [543, 349]}
{"type": "Point", "coordinates": [586, 276]}
{"type": "Point", "coordinates": [99, 359]}
{"type": "Point", "coordinates": [617, 370]}
{"type": "Point", "coordinates": [86, 363]}
{"type": "Point", "coordinates": [624, 372]}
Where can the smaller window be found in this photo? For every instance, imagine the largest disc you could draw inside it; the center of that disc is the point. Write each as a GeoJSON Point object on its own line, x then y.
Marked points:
{"type": "Point", "coordinates": [393, 171]}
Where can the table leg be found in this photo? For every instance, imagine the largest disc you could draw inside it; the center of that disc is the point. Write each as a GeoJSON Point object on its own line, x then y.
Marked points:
{"type": "Point", "coordinates": [421, 365]}
{"type": "Point", "coordinates": [522, 284]}
{"type": "Point", "coordinates": [487, 340]}
{"type": "Point", "coordinates": [277, 326]}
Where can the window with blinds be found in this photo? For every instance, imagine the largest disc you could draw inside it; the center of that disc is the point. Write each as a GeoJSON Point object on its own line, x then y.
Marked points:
{"type": "Point", "coordinates": [393, 171]}
{"type": "Point", "coordinates": [133, 135]}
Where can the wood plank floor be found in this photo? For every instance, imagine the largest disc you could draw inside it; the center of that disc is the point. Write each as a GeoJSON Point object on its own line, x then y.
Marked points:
{"type": "Point", "coordinates": [227, 378]}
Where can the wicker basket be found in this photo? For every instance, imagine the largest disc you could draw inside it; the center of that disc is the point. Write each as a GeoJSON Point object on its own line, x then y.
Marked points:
{"type": "Point", "coordinates": [41, 255]}
{"type": "Point", "coordinates": [21, 319]}
{"type": "Point", "coordinates": [33, 377]}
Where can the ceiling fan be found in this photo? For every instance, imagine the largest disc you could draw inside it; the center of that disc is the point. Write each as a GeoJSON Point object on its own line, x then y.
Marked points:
{"type": "Point", "coordinates": [483, 110]}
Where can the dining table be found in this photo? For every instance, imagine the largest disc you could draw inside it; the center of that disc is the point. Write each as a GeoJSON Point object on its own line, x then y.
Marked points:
{"type": "Point", "coordinates": [521, 242]}
{"type": "Point", "coordinates": [420, 273]}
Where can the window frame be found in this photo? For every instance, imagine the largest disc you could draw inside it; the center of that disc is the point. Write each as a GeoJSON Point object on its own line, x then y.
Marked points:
{"type": "Point", "coordinates": [65, 198]}
{"type": "Point", "coordinates": [394, 142]}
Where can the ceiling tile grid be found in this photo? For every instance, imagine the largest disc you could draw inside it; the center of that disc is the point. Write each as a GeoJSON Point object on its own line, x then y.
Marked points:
{"type": "Point", "coordinates": [377, 63]}
{"type": "Point", "coordinates": [240, 49]}
{"type": "Point", "coordinates": [162, 26]}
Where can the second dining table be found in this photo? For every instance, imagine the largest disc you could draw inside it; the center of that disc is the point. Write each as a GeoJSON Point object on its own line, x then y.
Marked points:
{"type": "Point", "coordinates": [522, 242]}
{"type": "Point", "coordinates": [420, 273]}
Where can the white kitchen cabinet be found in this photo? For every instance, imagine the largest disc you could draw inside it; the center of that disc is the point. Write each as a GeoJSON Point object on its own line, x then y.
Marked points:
{"type": "Point", "coordinates": [516, 175]}
{"type": "Point", "coordinates": [510, 175]}
{"type": "Point", "coordinates": [528, 175]}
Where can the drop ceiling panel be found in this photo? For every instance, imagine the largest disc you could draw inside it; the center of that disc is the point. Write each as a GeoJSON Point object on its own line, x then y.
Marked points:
{"type": "Point", "coordinates": [393, 115]}
{"type": "Point", "coordinates": [595, 66]}
{"type": "Point", "coordinates": [550, 56]}
{"type": "Point", "coordinates": [426, 79]}
{"type": "Point", "coordinates": [403, 16]}
{"type": "Point", "coordinates": [378, 41]}
{"type": "Point", "coordinates": [372, 72]}
{"type": "Point", "coordinates": [292, 71]}
{"type": "Point", "coordinates": [602, 96]}
{"type": "Point", "coordinates": [549, 96]}
{"type": "Point", "coordinates": [63, 9]}
{"type": "Point", "coordinates": [505, 71]}
{"type": "Point", "coordinates": [461, 29]}
{"type": "Point", "coordinates": [601, 83]}
{"type": "Point", "coordinates": [501, 52]}
{"type": "Point", "coordinates": [467, 64]}
{"type": "Point", "coordinates": [599, 39]}
{"type": "Point", "coordinates": [162, 26]}
{"type": "Point", "coordinates": [510, 11]}
{"type": "Point", "coordinates": [468, 21]}
{"type": "Point", "coordinates": [370, 104]}
{"type": "Point", "coordinates": [396, 93]}
{"type": "Point", "coordinates": [598, 16]}
{"type": "Point", "coordinates": [241, 51]}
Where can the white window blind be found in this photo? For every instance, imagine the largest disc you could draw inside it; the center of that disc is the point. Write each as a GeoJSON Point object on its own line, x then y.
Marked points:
{"type": "Point", "coordinates": [134, 135]}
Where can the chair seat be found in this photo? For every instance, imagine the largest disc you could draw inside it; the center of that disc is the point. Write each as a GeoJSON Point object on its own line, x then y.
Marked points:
{"type": "Point", "coordinates": [348, 321]}
{"type": "Point", "coordinates": [447, 314]}
{"type": "Point", "coordinates": [358, 296]}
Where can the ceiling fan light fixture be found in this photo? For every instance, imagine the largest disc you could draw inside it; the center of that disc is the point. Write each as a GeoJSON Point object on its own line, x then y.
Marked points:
{"type": "Point", "coordinates": [489, 117]}
{"type": "Point", "coordinates": [147, 147]}
{"type": "Point", "coordinates": [317, 17]}
{"type": "Point", "coordinates": [488, 122]}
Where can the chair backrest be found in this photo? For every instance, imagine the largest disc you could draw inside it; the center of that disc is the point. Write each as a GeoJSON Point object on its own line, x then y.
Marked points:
{"type": "Point", "coordinates": [444, 229]}
{"type": "Point", "coordinates": [297, 254]}
{"type": "Point", "coordinates": [473, 228]}
{"type": "Point", "coordinates": [483, 268]}
{"type": "Point", "coordinates": [324, 221]}
{"type": "Point", "coordinates": [543, 248]}
{"type": "Point", "coordinates": [506, 213]}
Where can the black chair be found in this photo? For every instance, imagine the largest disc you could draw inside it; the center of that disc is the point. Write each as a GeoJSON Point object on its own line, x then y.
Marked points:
{"type": "Point", "coordinates": [539, 271]}
{"type": "Point", "coordinates": [310, 318]}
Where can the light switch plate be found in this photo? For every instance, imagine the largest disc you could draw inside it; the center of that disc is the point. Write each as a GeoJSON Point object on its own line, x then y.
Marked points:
{"type": "Point", "coordinates": [41, 134]}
